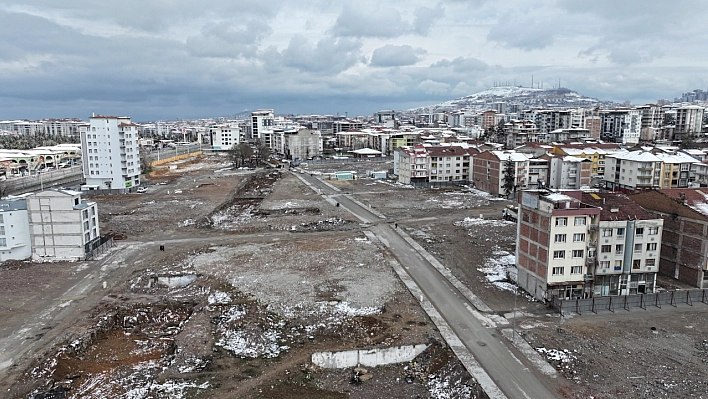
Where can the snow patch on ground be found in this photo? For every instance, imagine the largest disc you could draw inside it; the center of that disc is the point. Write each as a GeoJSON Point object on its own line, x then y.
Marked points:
{"type": "Point", "coordinates": [469, 222]}
{"type": "Point", "coordinates": [497, 270]}
{"type": "Point", "coordinates": [444, 388]}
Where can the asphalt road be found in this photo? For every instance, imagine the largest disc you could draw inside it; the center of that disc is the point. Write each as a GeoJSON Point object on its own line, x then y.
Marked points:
{"type": "Point", "coordinates": [510, 373]}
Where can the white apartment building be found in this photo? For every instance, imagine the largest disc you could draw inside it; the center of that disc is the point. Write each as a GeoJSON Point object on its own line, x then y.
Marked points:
{"type": "Point", "coordinates": [451, 163]}
{"type": "Point", "coordinates": [689, 120]}
{"type": "Point", "coordinates": [262, 124]}
{"type": "Point", "coordinates": [621, 125]}
{"type": "Point", "coordinates": [635, 170]}
{"type": "Point", "coordinates": [110, 154]}
{"type": "Point", "coordinates": [15, 240]}
{"type": "Point", "coordinates": [61, 224]}
{"type": "Point", "coordinates": [225, 136]}
{"type": "Point", "coordinates": [411, 164]}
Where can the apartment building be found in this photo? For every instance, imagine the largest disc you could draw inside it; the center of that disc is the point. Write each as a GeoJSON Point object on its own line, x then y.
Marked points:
{"type": "Point", "coordinates": [567, 172]}
{"type": "Point", "coordinates": [301, 144]}
{"type": "Point", "coordinates": [637, 170]}
{"type": "Point", "coordinates": [627, 246]}
{"type": "Point", "coordinates": [488, 170]}
{"type": "Point", "coordinates": [520, 132]}
{"type": "Point", "coordinates": [552, 256]}
{"type": "Point", "coordinates": [451, 163]}
{"type": "Point", "coordinates": [574, 245]}
{"type": "Point", "coordinates": [412, 164]}
{"type": "Point", "coordinates": [15, 239]}
{"type": "Point", "coordinates": [684, 244]}
{"type": "Point", "coordinates": [262, 124]}
{"type": "Point", "coordinates": [621, 126]}
{"type": "Point", "coordinates": [110, 154]}
{"type": "Point", "coordinates": [225, 136]}
{"type": "Point", "coordinates": [62, 225]}
{"type": "Point", "coordinates": [689, 121]}
{"type": "Point", "coordinates": [595, 153]}
{"type": "Point", "coordinates": [574, 133]}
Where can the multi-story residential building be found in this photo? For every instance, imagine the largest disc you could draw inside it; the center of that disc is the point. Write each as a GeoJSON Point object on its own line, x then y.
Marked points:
{"type": "Point", "coordinates": [559, 135]}
{"type": "Point", "coordinates": [262, 124]}
{"type": "Point", "coordinates": [488, 171]}
{"type": "Point", "coordinates": [567, 172]}
{"type": "Point", "coordinates": [621, 126]}
{"type": "Point", "coordinates": [110, 154]}
{"type": "Point", "coordinates": [594, 125]}
{"type": "Point", "coordinates": [552, 252]}
{"type": "Point", "coordinates": [62, 225]}
{"type": "Point", "coordinates": [574, 245]}
{"type": "Point", "coordinates": [538, 172]}
{"type": "Point", "coordinates": [684, 245]}
{"type": "Point", "coordinates": [627, 246]}
{"type": "Point", "coordinates": [689, 121]}
{"type": "Point", "coordinates": [630, 171]}
{"type": "Point", "coordinates": [302, 144]}
{"type": "Point", "coordinates": [520, 132]}
{"type": "Point", "coordinates": [15, 239]}
{"type": "Point", "coordinates": [62, 127]}
{"type": "Point", "coordinates": [451, 163]}
{"type": "Point", "coordinates": [225, 136]}
{"type": "Point", "coordinates": [596, 153]}
{"type": "Point", "coordinates": [412, 164]}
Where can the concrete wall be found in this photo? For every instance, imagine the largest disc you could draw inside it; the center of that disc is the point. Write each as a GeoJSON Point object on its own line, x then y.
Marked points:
{"type": "Point", "coordinates": [367, 357]}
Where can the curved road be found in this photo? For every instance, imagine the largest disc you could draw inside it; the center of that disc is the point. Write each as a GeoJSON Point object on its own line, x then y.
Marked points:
{"type": "Point", "coordinates": [510, 374]}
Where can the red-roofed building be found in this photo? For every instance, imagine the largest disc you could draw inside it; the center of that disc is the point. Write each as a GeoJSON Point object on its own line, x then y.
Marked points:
{"type": "Point", "coordinates": [684, 253]}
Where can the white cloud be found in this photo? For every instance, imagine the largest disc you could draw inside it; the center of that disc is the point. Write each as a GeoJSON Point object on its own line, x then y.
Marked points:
{"type": "Point", "coordinates": [391, 56]}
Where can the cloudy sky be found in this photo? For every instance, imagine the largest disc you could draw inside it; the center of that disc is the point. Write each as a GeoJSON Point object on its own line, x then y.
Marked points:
{"type": "Point", "coordinates": [152, 59]}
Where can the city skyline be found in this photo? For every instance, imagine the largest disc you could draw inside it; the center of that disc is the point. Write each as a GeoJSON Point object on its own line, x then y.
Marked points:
{"type": "Point", "coordinates": [154, 61]}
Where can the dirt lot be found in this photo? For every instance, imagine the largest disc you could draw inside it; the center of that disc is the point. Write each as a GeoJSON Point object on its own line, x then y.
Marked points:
{"type": "Point", "coordinates": [259, 272]}
{"type": "Point", "coordinates": [251, 284]}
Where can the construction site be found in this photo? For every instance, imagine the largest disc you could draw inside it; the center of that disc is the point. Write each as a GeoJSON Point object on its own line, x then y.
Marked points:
{"type": "Point", "coordinates": [228, 283]}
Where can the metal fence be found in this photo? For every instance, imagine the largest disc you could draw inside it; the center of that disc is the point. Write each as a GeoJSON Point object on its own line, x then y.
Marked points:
{"type": "Point", "coordinates": [20, 184]}
{"type": "Point", "coordinates": [348, 160]}
{"type": "Point", "coordinates": [98, 247]}
{"type": "Point", "coordinates": [627, 302]}
{"type": "Point", "coordinates": [440, 184]}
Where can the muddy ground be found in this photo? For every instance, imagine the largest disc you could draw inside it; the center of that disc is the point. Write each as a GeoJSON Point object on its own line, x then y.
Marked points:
{"type": "Point", "coordinates": [259, 272]}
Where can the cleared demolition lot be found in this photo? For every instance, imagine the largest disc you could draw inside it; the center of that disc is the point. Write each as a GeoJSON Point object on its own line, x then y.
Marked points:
{"type": "Point", "coordinates": [259, 273]}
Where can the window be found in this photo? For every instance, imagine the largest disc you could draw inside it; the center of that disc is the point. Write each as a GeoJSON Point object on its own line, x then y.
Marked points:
{"type": "Point", "coordinates": [2, 230]}
{"type": "Point", "coordinates": [636, 264]}
{"type": "Point", "coordinates": [2, 218]}
{"type": "Point", "coordinates": [619, 248]}
{"type": "Point", "coordinates": [607, 232]}
{"type": "Point", "coordinates": [618, 265]}
{"type": "Point", "coordinates": [650, 263]}
{"type": "Point", "coordinates": [558, 254]}
{"type": "Point", "coordinates": [639, 231]}
{"type": "Point", "coordinates": [578, 253]}
{"type": "Point", "coordinates": [561, 221]}
{"type": "Point", "coordinates": [558, 271]}
{"type": "Point", "coordinates": [3, 242]}
{"type": "Point", "coordinates": [578, 237]}
{"type": "Point", "coordinates": [560, 238]}
{"type": "Point", "coordinates": [605, 264]}
{"type": "Point", "coordinates": [651, 246]}
{"type": "Point", "coordinates": [580, 221]}
{"type": "Point", "coordinates": [605, 249]}
{"type": "Point", "coordinates": [637, 247]}
{"type": "Point", "coordinates": [620, 232]}
{"type": "Point", "coordinates": [576, 270]}
{"type": "Point", "coordinates": [591, 253]}
{"type": "Point", "coordinates": [652, 231]}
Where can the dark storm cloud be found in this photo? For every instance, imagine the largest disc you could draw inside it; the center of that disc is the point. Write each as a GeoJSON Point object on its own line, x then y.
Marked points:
{"type": "Point", "coordinates": [224, 40]}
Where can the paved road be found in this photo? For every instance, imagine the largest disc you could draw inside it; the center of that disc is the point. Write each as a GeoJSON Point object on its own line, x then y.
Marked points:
{"type": "Point", "coordinates": [511, 375]}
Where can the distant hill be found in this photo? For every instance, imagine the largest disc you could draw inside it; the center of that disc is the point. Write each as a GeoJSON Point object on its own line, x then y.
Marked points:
{"type": "Point", "coordinates": [525, 97]}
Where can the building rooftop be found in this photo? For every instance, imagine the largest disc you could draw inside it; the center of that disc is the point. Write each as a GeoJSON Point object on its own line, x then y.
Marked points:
{"type": "Point", "coordinates": [616, 206]}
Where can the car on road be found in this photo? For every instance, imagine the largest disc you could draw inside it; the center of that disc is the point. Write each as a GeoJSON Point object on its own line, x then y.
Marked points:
{"type": "Point", "coordinates": [142, 189]}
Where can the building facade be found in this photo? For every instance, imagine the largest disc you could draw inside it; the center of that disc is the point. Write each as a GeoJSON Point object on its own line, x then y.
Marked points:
{"type": "Point", "coordinates": [62, 225]}
{"type": "Point", "coordinates": [110, 154]}
{"type": "Point", "coordinates": [15, 239]}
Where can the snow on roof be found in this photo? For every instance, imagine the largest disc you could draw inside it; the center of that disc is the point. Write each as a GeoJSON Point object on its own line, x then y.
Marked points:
{"type": "Point", "coordinates": [515, 156]}
{"type": "Point", "coordinates": [638, 156]}
{"type": "Point", "coordinates": [557, 197]}
{"type": "Point", "coordinates": [366, 151]}
{"type": "Point", "coordinates": [678, 157]}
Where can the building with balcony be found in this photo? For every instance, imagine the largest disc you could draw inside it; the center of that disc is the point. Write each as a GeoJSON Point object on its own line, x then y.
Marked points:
{"type": "Point", "coordinates": [552, 254]}
{"type": "Point", "coordinates": [110, 154]}
{"type": "Point", "coordinates": [627, 246]}
{"type": "Point", "coordinates": [567, 172]}
{"type": "Point", "coordinates": [684, 249]}
{"type": "Point", "coordinates": [412, 164]}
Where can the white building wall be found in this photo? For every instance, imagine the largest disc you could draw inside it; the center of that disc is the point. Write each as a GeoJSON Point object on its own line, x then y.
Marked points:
{"type": "Point", "coordinates": [15, 239]}
{"type": "Point", "coordinates": [110, 153]}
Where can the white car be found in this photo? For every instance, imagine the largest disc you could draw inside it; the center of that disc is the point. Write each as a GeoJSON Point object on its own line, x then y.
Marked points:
{"type": "Point", "coordinates": [142, 189]}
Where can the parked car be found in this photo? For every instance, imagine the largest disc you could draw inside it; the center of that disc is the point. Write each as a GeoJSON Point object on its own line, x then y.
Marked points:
{"type": "Point", "coordinates": [142, 189]}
